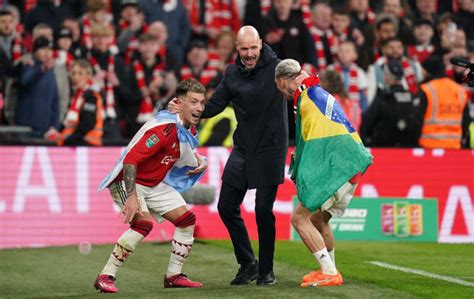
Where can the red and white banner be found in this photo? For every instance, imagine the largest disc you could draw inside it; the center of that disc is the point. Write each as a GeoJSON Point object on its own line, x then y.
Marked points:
{"type": "Point", "coordinates": [48, 196]}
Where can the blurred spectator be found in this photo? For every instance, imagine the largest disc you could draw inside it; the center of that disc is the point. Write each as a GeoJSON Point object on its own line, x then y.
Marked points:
{"type": "Point", "coordinates": [43, 30]}
{"type": "Point", "coordinates": [197, 64]}
{"type": "Point", "coordinates": [324, 40]}
{"type": "Point", "coordinates": [283, 29]}
{"type": "Point", "coordinates": [151, 83]}
{"type": "Point", "coordinates": [63, 45]}
{"type": "Point", "coordinates": [445, 22]}
{"type": "Point", "coordinates": [208, 18]}
{"type": "Point", "coordinates": [173, 14]}
{"type": "Point", "coordinates": [130, 26]}
{"type": "Point", "coordinates": [354, 78]}
{"type": "Point", "coordinates": [426, 10]}
{"type": "Point", "coordinates": [50, 12]}
{"type": "Point", "coordinates": [224, 51]}
{"type": "Point", "coordinates": [423, 32]}
{"type": "Point", "coordinates": [218, 130]}
{"type": "Point", "coordinates": [393, 49]}
{"type": "Point", "coordinates": [38, 103]}
{"type": "Point", "coordinates": [84, 119]}
{"type": "Point", "coordinates": [11, 52]}
{"type": "Point", "coordinates": [385, 29]}
{"type": "Point", "coordinates": [332, 82]}
{"type": "Point", "coordinates": [443, 102]}
{"type": "Point", "coordinates": [394, 118]}
{"type": "Point", "coordinates": [78, 50]}
{"type": "Point", "coordinates": [362, 17]}
{"type": "Point", "coordinates": [96, 14]}
{"type": "Point", "coordinates": [109, 72]}
{"type": "Point", "coordinates": [465, 17]}
{"type": "Point", "coordinates": [63, 60]}
{"type": "Point", "coordinates": [341, 24]}
{"type": "Point", "coordinates": [159, 31]}
{"type": "Point", "coordinates": [398, 9]}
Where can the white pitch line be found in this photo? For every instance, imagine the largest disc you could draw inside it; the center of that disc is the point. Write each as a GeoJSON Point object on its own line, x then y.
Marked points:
{"type": "Point", "coordinates": [423, 273]}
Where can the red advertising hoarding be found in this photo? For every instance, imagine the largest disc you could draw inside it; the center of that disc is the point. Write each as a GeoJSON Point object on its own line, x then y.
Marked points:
{"type": "Point", "coordinates": [48, 196]}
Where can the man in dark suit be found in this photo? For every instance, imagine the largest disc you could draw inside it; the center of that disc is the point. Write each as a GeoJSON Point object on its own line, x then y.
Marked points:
{"type": "Point", "coordinates": [260, 147]}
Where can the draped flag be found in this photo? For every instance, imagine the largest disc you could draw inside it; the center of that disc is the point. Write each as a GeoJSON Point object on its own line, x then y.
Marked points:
{"type": "Point", "coordinates": [329, 152]}
{"type": "Point", "coordinates": [177, 176]}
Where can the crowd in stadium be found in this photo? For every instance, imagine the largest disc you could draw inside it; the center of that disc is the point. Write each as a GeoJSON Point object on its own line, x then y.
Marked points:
{"type": "Point", "coordinates": [387, 62]}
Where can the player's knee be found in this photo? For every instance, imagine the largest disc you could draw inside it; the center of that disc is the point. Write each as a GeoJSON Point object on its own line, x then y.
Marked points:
{"type": "Point", "coordinates": [142, 227]}
{"type": "Point", "coordinates": [297, 220]}
{"type": "Point", "coordinates": [185, 220]}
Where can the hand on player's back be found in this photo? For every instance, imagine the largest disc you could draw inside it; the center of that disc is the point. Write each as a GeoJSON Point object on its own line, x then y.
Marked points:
{"type": "Point", "coordinates": [175, 106]}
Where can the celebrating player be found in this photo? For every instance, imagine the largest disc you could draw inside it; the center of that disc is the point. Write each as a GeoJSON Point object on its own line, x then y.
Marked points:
{"type": "Point", "coordinates": [329, 160]}
{"type": "Point", "coordinates": [158, 162]}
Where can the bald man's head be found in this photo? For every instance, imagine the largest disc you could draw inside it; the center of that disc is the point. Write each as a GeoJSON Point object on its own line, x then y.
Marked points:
{"type": "Point", "coordinates": [248, 45]}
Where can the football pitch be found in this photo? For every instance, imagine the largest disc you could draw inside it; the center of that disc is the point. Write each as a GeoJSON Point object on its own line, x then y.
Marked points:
{"type": "Point", "coordinates": [370, 270]}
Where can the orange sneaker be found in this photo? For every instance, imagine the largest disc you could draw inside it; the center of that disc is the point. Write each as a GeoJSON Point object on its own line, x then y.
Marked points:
{"type": "Point", "coordinates": [323, 280]}
{"type": "Point", "coordinates": [311, 276]}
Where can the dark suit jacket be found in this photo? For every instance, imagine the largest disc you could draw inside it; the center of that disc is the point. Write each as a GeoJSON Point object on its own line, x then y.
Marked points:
{"type": "Point", "coordinates": [261, 137]}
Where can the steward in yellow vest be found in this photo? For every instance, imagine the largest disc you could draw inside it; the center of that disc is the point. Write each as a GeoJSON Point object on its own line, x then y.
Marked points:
{"type": "Point", "coordinates": [445, 103]}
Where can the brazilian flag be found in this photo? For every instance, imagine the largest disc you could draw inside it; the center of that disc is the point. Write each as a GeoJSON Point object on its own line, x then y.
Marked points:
{"type": "Point", "coordinates": [329, 152]}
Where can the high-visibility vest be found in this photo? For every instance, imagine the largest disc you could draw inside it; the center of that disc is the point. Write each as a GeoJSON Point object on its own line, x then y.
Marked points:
{"type": "Point", "coordinates": [206, 130]}
{"type": "Point", "coordinates": [94, 136]}
{"type": "Point", "coordinates": [442, 121]}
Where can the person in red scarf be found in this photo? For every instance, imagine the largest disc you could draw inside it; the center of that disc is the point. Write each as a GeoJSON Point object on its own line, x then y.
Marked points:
{"type": "Point", "coordinates": [151, 84]}
{"type": "Point", "coordinates": [412, 73]}
{"type": "Point", "coordinates": [109, 73]}
{"type": "Point", "coordinates": [63, 44]}
{"type": "Point", "coordinates": [354, 78]}
{"type": "Point", "coordinates": [96, 14]}
{"type": "Point", "coordinates": [324, 40]}
{"type": "Point", "coordinates": [197, 64]}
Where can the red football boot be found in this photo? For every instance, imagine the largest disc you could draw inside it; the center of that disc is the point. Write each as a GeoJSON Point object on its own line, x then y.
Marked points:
{"type": "Point", "coordinates": [180, 281]}
{"type": "Point", "coordinates": [105, 284]}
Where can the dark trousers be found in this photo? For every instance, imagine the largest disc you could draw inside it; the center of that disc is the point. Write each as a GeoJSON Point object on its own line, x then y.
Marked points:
{"type": "Point", "coordinates": [230, 200]}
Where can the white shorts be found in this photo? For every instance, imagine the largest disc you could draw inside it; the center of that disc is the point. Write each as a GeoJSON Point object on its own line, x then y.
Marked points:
{"type": "Point", "coordinates": [337, 204]}
{"type": "Point", "coordinates": [157, 200]}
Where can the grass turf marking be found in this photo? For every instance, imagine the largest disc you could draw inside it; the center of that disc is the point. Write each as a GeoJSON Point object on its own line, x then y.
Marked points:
{"type": "Point", "coordinates": [423, 273]}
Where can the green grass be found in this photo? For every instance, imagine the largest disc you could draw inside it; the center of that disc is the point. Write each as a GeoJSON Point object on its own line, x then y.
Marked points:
{"type": "Point", "coordinates": [64, 272]}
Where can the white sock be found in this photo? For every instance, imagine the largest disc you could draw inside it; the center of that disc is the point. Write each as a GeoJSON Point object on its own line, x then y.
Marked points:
{"type": "Point", "coordinates": [327, 266]}
{"type": "Point", "coordinates": [332, 254]}
{"type": "Point", "coordinates": [125, 246]}
{"type": "Point", "coordinates": [180, 247]}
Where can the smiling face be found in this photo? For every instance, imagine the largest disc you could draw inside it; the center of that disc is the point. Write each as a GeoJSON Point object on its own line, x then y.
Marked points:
{"type": "Point", "coordinates": [249, 45]}
{"type": "Point", "coordinates": [193, 104]}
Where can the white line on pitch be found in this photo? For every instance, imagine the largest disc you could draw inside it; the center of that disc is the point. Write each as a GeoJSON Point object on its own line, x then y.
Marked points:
{"type": "Point", "coordinates": [423, 273]}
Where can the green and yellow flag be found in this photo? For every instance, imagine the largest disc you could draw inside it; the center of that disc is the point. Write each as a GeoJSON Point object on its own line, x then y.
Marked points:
{"type": "Point", "coordinates": [329, 152]}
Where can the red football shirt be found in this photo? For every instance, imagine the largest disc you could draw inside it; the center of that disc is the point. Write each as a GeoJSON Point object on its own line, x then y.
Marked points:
{"type": "Point", "coordinates": [154, 155]}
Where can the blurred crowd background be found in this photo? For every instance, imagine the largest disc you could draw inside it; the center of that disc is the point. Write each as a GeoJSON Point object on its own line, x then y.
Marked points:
{"type": "Point", "coordinates": [92, 72]}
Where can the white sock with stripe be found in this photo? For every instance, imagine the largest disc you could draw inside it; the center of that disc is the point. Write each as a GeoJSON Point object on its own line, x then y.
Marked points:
{"type": "Point", "coordinates": [327, 266]}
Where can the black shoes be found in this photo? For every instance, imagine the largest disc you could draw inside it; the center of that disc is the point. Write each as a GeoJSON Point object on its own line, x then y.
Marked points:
{"type": "Point", "coordinates": [268, 279]}
{"type": "Point", "coordinates": [246, 274]}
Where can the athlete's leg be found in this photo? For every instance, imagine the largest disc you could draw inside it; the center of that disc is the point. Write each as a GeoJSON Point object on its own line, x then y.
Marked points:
{"type": "Point", "coordinates": [184, 221]}
{"type": "Point", "coordinates": [320, 220]}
